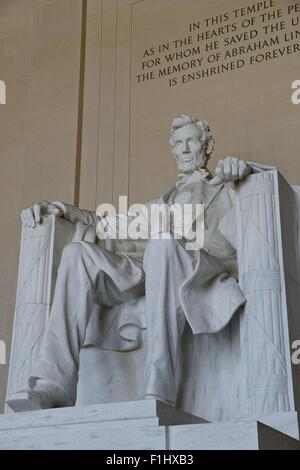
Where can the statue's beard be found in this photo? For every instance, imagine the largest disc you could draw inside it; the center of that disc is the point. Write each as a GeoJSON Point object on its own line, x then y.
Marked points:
{"type": "Point", "coordinates": [199, 163]}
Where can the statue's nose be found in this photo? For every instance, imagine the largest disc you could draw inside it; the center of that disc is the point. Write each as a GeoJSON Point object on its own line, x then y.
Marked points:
{"type": "Point", "coordinates": [186, 148]}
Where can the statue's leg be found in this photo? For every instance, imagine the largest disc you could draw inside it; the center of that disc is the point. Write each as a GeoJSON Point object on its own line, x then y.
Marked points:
{"type": "Point", "coordinates": [167, 264]}
{"type": "Point", "coordinates": [81, 280]}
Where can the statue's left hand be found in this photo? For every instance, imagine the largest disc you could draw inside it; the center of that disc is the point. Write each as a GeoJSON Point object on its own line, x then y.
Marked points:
{"type": "Point", "coordinates": [230, 169]}
{"type": "Point", "coordinates": [33, 215]}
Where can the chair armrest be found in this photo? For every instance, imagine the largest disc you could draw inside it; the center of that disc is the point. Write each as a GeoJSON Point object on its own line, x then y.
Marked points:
{"type": "Point", "coordinates": [267, 243]}
{"type": "Point", "coordinates": [40, 254]}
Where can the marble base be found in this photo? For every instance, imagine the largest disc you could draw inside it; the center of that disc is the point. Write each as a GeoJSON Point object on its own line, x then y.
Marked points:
{"type": "Point", "coordinates": [287, 423]}
{"type": "Point", "coordinates": [139, 425]}
{"type": "Point", "coordinates": [251, 435]}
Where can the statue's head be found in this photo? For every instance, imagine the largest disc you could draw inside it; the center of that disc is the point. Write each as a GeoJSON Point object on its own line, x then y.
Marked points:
{"type": "Point", "coordinates": [192, 143]}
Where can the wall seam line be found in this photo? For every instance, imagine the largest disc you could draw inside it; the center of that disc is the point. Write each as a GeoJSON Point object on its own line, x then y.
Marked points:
{"type": "Point", "coordinates": [99, 102]}
{"type": "Point", "coordinates": [130, 98]}
{"type": "Point", "coordinates": [80, 103]}
{"type": "Point", "coordinates": [115, 98]}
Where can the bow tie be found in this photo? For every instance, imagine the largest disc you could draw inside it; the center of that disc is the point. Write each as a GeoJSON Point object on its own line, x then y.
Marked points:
{"type": "Point", "coordinates": [197, 175]}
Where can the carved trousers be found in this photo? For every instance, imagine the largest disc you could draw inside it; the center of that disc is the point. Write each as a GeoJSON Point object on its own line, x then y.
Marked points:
{"type": "Point", "coordinates": [167, 265]}
{"type": "Point", "coordinates": [89, 274]}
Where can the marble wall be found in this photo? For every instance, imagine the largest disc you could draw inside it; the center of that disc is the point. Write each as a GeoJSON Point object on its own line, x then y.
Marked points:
{"type": "Point", "coordinates": [79, 127]}
{"type": "Point", "coordinates": [126, 124]}
{"type": "Point", "coordinates": [40, 51]}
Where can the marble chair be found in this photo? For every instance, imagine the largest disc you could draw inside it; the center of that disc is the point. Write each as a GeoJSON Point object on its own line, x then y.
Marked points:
{"type": "Point", "coordinates": [244, 370]}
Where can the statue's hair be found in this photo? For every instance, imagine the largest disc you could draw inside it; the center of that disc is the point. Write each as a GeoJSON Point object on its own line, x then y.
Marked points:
{"type": "Point", "coordinates": [184, 120]}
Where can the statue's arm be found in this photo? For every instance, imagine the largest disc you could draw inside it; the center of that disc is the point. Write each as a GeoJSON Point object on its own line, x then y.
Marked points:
{"type": "Point", "coordinates": [33, 215]}
{"type": "Point", "coordinates": [73, 214]}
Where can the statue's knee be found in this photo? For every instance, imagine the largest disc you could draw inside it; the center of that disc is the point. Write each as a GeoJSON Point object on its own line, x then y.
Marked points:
{"type": "Point", "coordinates": [162, 247]}
{"type": "Point", "coordinates": [72, 253]}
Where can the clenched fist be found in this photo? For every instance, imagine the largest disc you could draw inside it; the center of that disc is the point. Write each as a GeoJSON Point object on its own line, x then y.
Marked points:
{"type": "Point", "coordinates": [230, 169]}
{"type": "Point", "coordinates": [31, 216]}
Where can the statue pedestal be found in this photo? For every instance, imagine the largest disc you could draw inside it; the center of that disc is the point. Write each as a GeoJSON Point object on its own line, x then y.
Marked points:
{"type": "Point", "coordinates": [142, 425]}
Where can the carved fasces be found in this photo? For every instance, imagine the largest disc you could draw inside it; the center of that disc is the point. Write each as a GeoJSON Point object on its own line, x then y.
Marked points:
{"type": "Point", "coordinates": [264, 335]}
{"type": "Point", "coordinates": [40, 252]}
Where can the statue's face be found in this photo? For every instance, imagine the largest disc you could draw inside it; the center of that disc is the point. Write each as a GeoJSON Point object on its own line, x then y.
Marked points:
{"type": "Point", "coordinates": [188, 148]}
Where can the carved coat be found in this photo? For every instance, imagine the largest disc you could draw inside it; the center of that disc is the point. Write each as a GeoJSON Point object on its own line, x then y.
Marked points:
{"type": "Point", "coordinates": [209, 297]}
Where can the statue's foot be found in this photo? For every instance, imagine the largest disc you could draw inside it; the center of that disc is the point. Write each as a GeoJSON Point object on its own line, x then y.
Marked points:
{"type": "Point", "coordinates": [43, 395]}
{"type": "Point", "coordinates": [25, 400]}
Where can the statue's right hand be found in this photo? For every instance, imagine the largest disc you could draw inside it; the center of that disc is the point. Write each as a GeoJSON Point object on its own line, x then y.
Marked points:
{"type": "Point", "coordinates": [32, 216]}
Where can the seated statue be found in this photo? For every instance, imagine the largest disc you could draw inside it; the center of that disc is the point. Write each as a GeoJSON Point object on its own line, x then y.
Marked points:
{"type": "Point", "coordinates": [195, 286]}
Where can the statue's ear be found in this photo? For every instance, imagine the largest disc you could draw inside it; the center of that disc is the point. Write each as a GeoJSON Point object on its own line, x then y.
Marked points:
{"type": "Point", "coordinates": [210, 146]}
{"type": "Point", "coordinates": [171, 145]}
{"type": "Point", "coordinates": [172, 150]}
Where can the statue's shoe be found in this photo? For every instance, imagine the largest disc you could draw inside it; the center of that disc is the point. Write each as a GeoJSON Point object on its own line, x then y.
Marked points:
{"type": "Point", "coordinates": [43, 395]}
{"type": "Point", "coordinates": [25, 400]}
